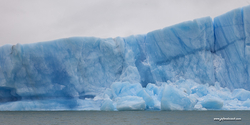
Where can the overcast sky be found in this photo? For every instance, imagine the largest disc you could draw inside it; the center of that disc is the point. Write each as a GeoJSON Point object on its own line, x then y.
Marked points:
{"type": "Point", "coordinates": [28, 21]}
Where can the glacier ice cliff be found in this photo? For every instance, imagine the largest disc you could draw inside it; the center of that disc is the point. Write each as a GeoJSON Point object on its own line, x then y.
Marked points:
{"type": "Point", "coordinates": [202, 64]}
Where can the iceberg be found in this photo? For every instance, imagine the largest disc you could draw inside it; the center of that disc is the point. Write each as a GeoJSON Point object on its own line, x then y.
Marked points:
{"type": "Point", "coordinates": [202, 64]}
{"type": "Point", "coordinates": [107, 105]}
{"type": "Point", "coordinates": [128, 103]}
{"type": "Point", "coordinates": [212, 103]}
{"type": "Point", "coordinates": [176, 99]}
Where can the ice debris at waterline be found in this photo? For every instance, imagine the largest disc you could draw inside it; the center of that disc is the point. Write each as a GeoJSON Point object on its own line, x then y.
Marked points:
{"type": "Point", "coordinates": [202, 64]}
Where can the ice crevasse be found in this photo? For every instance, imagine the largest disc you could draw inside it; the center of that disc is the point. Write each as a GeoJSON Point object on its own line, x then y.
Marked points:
{"type": "Point", "coordinates": [202, 64]}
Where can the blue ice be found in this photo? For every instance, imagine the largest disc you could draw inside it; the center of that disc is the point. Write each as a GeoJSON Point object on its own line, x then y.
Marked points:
{"type": "Point", "coordinates": [202, 64]}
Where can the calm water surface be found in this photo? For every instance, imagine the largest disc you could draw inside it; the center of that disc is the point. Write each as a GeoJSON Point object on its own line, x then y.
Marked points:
{"type": "Point", "coordinates": [122, 117]}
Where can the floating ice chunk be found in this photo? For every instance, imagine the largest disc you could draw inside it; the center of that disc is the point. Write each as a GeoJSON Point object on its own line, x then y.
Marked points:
{"type": "Point", "coordinates": [175, 99]}
{"type": "Point", "coordinates": [130, 103]}
{"type": "Point", "coordinates": [212, 103]}
{"type": "Point", "coordinates": [107, 105]}
{"type": "Point", "coordinates": [127, 89]}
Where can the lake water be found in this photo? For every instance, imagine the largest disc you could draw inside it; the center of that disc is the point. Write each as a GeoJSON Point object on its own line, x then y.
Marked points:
{"type": "Point", "coordinates": [121, 117]}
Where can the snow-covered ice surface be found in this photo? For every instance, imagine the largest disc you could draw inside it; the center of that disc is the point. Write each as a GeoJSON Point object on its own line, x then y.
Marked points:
{"type": "Point", "coordinates": [202, 64]}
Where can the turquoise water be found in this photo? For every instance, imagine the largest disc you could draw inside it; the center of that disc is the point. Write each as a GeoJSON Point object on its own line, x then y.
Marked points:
{"type": "Point", "coordinates": [122, 117]}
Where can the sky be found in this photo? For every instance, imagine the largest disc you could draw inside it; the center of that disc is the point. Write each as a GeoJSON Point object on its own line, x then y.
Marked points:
{"type": "Point", "coordinates": [30, 21]}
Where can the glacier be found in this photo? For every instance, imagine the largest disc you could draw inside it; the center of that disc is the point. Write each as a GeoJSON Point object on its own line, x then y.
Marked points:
{"type": "Point", "coordinates": [202, 64]}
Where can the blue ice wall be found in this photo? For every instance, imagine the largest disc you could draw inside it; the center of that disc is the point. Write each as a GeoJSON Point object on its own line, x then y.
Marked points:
{"type": "Point", "coordinates": [231, 45]}
{"type": "Point", "coordinates": [67, 68]}
{"type": "Point", "coordinates": [195, 65]}
{"type": "Point", "coordinates": [187, 52]}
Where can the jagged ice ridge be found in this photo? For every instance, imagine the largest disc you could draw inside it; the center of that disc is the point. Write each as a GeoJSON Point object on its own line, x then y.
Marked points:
{"type": "Point", "coordinates": [195, 65]}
